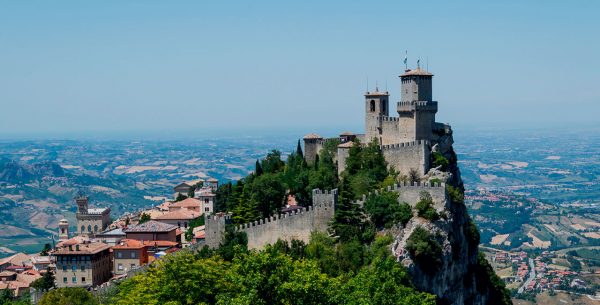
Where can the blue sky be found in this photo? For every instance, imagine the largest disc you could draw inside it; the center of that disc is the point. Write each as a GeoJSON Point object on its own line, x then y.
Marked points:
{"type": "Point", "coordinates": [200, 66]}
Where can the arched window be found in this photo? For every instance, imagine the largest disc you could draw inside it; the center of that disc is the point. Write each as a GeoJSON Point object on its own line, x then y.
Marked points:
{"type": "Point", "coordinates": [95, 228]}
{"type": "Point", "coordinates": [185, 224]}
{"type": "Point", "coordinates": [62, 230]}
{"type": "Point", "coordinates": [372, 105]}
{"type": "Point", "coordinates": [383, 107]}
{"type": "Point", "coordinates": [82, 229]}
{"type": "Point", "coordinates": [179, 224]}
{"type": "Point", "coordinates": [89, 228]}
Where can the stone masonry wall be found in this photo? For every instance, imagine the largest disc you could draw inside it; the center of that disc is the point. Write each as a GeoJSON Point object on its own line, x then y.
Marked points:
{"type": "Point", "coordinates": [298, 224]}
{"type": "Point", "coordinates": [411, 193]}
{"type": "Point", "coordinates": [406, 156]}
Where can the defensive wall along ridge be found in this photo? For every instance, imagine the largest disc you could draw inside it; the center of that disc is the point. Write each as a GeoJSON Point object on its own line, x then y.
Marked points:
{"type": "Point", "coordinates": [297, 224]}
{"type": "Point", "coordinates": [411, 193]}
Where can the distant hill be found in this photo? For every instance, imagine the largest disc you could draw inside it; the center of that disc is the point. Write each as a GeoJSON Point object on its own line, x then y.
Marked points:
{"type": "Point", "coordinates": [15, 172]}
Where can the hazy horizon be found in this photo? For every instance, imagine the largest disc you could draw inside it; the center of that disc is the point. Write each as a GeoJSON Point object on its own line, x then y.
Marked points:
{"type": "Point", "coordinates": [73, 68]}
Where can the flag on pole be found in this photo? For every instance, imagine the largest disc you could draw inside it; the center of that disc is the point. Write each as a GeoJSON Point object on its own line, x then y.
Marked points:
{"type": "Point", "coordinates": [406, 59]}
{"type": "Point", "coordinates": [419, 63]}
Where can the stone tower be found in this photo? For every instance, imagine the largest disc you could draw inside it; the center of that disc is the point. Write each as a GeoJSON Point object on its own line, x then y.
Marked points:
{"type": "Point", "coordinates": [63, 230]}
{"type": "Point", "coordinates": [416, 109]}
{"type": "Point", "coordinates": [376, 107]}
{"type": "Point", "coordinates": [82, 204]}
{"type": "Point", "coordinates": [312, 145]}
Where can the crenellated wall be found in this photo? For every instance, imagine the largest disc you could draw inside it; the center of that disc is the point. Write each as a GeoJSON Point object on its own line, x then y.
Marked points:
{"type": "Point", "coordinates": [411, 193]}
{"type": "Point", "coordinates": [298, 224]}
{"type": "Point", "coordinates": [390, 128]}
{"type": "Point", "coordinates": [406, 156]}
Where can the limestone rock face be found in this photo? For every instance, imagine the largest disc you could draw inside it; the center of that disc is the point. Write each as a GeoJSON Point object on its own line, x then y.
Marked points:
{"type": "Point", "coordinates": [454, 281]}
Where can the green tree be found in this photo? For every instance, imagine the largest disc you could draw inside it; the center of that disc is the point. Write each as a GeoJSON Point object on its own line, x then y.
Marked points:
{"type": "Point", "coordinates": [68, 296]}
{"type": "Point", "coordinates": [47, 248]}
{"type": "Point", "coordinates": [385, 210]}
{"type": "Point", "coordinates": [180, 197]}
{"type": "Point", "coordinates": [144, 218]}
{"type": "Point", "coordinates": [425, 208]}
{"type": "Point", "coordinates": [438, 160]}
{"type": "Point", "coordinates": [45, 282]}
{"type": "Point", "coordinates": [425, 251]}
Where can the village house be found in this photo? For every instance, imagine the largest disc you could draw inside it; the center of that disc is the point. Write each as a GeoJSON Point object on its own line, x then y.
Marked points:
{"type": "Point", "coordinates": [179, 217]}
{"type": "Point", "coordinates": [191, 204]}
{"type": "Point", "coordinates": [154, 230]}
{"type": "Point", "coordinates": [129, 254]}
{"type": "Point", "coordinates": [82, 265]}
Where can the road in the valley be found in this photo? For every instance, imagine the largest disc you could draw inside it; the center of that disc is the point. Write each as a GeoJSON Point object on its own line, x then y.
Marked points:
{"type": "Point", "coordinates": [530, 278]}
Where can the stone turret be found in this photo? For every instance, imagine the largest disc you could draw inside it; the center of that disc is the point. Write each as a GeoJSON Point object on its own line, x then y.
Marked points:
{"type": "Point", "coordinates": [376, 106]}
{"type": "Point", "coordinates": [312, 145]}
{"type": "Point", "coordinates": [82, 204]}
{"type": "Point", "coordinates": [63, 230]}
{"type": "Point", "coordinates": [416, 109]}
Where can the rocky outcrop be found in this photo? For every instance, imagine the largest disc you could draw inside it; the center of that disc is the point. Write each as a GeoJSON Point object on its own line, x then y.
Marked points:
{"type": "Point", "coordinates": [455, 275]}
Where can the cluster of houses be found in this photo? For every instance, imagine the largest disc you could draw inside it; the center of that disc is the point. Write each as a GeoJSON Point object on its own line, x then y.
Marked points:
{"type": "Point", "coordinates": [547, 276]}
{"type": "Point", "coordinates": [99, 251]}
{"type": "Point", "coordinates": [18, 271]}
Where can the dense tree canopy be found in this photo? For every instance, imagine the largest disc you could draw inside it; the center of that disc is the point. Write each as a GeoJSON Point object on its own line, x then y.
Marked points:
{"type": "Point", "coordinates": [321, 272]}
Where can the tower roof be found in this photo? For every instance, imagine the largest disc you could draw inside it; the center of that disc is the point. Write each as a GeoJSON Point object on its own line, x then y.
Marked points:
{"type": "Point", "coordinates": [312, 136]}
{"type": "Point", "coordinates": [377, 93]}
{"type": "Point", "coordinates": [416, 72]}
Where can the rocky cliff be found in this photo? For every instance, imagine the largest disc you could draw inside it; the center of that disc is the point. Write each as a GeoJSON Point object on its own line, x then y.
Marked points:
{"type": "Point", "coordinates": [442, 254]}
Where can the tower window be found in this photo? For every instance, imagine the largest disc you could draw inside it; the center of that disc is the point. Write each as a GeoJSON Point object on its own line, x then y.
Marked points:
{"type": "Point", "coordinates": [372, 105]}
{"type": "Point", "coordinates": [383, 106]}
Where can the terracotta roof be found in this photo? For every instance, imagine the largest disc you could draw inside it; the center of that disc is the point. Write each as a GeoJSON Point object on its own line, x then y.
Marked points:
{"type": "Point", "coordinates": [159, 243]}
{"type": "Point", "coordinates": [7, 273]}
{"type": "Point", "coordinates": [17, 259]}
{"type": "Point", "coordinates": [186, 203]}
{"type": "Point", "coordinates": [152, 226]}
{"type": "Point", "coordinates": [27, 278]}
{"type": "Point", "coordinates": [200, 234]}
{"type": "Point", "coordinates": [128, 244]}
{"type": "Point", "coordinates": [347, 144]}
{"type": "Point", "coordinates": [13, 285]}
{"type": "Point", "coordinates": [179, 214]}
{"type": "Point", "coordinates": [87, 248]}
{"type": "Point", "coordinates": [312, 136]}
{"type": "Point", "coordinates": [164, 206]}
{"type": "Point", "coordinates": [417, 71]}
{"type": "Point", "coordinates": [73, 241]}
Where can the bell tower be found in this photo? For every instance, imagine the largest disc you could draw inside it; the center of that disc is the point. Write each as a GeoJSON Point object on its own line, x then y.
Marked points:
{"type": "Point", "coordinates": [416, 109]}
{"type": "Point", "coordinates": [376, 106]}
{"type": "Point", "coordinates": [63, 230]}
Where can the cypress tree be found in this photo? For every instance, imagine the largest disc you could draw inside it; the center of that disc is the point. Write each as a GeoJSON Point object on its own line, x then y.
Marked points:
{"type": "Point", "coordinates": [258, 169]}
{"type": "Point", "coordinates": [299, 150]}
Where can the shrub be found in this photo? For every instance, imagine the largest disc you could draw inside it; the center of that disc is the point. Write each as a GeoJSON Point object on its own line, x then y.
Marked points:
{"type": "Point", "coordinates": [425, 207]}
{"type": "Point", "coordinates": [425, 251]}
{"type": "Point", "coordinates": [456, 195]}
{"type": "Point", "coordinates": [440, 160]}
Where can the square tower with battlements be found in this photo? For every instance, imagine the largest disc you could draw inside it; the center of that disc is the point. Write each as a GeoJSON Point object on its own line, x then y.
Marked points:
{"type": "Point", "coordinates": [416, 108]}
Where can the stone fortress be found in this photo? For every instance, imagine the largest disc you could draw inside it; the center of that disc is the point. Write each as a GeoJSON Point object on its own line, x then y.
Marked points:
{"type": "Point", "coordinates": [407, 140]}
{"type": "Point", "coordinates": [407, 143]}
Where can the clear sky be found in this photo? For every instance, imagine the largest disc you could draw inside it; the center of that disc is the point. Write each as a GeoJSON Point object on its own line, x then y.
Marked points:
{"type": "Point", "coordinates": [204, 66]}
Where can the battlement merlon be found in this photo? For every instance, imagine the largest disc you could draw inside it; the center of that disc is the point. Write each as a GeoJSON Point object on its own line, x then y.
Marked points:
{"type": "Point", "coordinates": [405, 144]}
{"type": "Point", "coordinates": [325, 198]}
{"type": "Point", "coordinates": [430, 106]}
